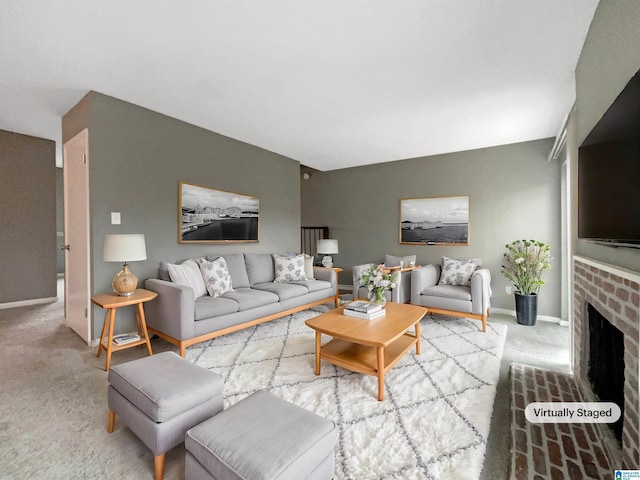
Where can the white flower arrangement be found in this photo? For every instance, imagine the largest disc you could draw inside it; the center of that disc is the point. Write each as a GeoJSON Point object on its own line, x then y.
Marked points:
{"type": "Point", "coordinates": [377, 280]}
{"type": "Point", "coordinates": [524, 264]}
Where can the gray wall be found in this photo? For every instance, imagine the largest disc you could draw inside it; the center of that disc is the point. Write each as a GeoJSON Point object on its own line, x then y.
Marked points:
{"type": "Point", "coordinates": [137, 158]}
{"type": "Point", "coordinates": [514, 193]}
{"type": "Point", "coordinates": [608, 61]}
{"type": "Point", "coordinates": [27, 210]}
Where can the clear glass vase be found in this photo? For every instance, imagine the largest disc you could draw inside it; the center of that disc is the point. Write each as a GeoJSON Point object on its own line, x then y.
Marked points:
{"type": "Point", "coordinates": [376, 296]}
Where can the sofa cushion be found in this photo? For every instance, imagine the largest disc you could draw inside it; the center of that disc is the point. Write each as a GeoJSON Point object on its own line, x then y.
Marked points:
{"type": "Point", "coordinates": [260, 267]}
{"type": "Point", "coordinates": [448, 291]}
{"type": "Point", "coordinates": [216, 276]}
{"type": "Point", "coordinates": [248, 298]}
{"type": "Point", "coordinates": [188, 273]}
{"type": "Point", "coordinates": [393, 261]}
{"type": "Point", "coordinates": [284, 291]}
{"type": "Point", "coordinates": [313, 285]}
{"type": "Point", "coordinates": [289, 268]}
{"type": "Point", "coordinates": [208, 307]}
{"type": "Point", "coordinates": [237, 268]}
{"type": "Point", "coordinates": [456, 272]}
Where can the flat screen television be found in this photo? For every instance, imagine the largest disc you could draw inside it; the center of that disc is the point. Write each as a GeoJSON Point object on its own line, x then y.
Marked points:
{"type": "Point", "coordinates": [609, 174]}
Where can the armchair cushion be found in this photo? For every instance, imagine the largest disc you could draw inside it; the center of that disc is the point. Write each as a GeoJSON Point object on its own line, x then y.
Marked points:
{"type": "Point", "coordinates": [449, 291]}
{"type": "Point", "coordinates": [457, 272]}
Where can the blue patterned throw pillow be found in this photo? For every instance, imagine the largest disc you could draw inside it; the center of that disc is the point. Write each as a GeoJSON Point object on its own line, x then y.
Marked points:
{"type": "Point", "coordinates": [216, 276]}
{"type": "Point", "coordinates": [289, 269]}
{"type": "Point", "coordinates": [457, 272]}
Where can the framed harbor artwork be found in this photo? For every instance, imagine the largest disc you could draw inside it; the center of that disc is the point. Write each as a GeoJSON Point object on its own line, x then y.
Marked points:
{"type": "Point", "coordinates": [207, 215]}
{"type": "Point", "coordinates": [435, 221]}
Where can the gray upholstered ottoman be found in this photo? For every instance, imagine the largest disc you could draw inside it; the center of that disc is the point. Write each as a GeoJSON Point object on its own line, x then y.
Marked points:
{"type": "Point", "coordinates": [261, 438]}
{"type": "Point", "coordinates": [161, 397]}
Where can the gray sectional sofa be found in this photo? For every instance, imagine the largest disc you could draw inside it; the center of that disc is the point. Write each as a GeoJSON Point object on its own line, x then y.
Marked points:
{"type": "Point", "coordinates": [183, 320]}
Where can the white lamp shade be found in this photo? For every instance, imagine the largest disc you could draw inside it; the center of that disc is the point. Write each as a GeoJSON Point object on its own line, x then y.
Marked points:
{"type": "Point", "coordinates": [328, 246]}
{"type": "Point", "coordinates": [124, 248]}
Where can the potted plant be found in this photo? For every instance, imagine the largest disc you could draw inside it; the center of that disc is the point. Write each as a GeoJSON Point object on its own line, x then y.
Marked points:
{"type": "Point", "coordinates": [524, 264]}
{"type": "Point", "coordinates": [377, 280]}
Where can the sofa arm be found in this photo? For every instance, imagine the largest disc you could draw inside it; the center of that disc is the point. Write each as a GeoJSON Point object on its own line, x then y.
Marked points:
{"type": "Point", "coordinates": [481, 291]}
{"type": "Point", "coordinates": [402, 292]}
{"type": "Point", "coordinates": [421, 278]}
{"type": "Point", "coordinates": [173, 311]}
{"type": "Point", "coordinates": [328, 275]}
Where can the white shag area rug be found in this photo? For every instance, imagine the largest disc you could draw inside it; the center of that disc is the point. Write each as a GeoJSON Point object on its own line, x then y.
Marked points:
{"type": "Point", "coordinates": [433, 422]}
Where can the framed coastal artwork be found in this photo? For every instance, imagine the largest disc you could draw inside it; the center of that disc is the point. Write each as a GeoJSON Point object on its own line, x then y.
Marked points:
{"type": "Point", "coordinates": [207, 215]}
{"type": "Point", "coordinates": [435, 221]}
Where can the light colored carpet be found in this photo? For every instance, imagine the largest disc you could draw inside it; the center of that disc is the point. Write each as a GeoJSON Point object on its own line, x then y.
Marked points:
{"type": "Point", "coordinates": [433, 422]}
{"type": "Point", "coordinates": [53, 405]}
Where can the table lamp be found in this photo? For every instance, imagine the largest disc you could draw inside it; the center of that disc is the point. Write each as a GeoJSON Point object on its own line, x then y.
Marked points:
{"type": "Point", "coordinates": [124, 248]}
{"type": "Point", "coordinates": [328, 246]}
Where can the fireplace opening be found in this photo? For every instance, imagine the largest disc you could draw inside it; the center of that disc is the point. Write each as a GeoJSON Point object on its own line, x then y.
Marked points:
{"type": "Point", "coordinates": [606, 364]}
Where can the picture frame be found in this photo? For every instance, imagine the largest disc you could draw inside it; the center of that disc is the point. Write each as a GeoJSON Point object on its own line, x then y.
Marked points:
{"type": "Point", "coordinates": [208, 215]}
{"type": "Point", "coordinates": [434, 221]}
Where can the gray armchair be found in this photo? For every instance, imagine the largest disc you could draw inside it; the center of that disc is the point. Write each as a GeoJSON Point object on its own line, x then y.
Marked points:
{"type": "Point", "coordinates": [459, 301]}
{"type": "Point", "coordinates": [400, 294]}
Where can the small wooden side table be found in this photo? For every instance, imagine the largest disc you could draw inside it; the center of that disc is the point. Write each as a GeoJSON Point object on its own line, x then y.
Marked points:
{"type": "Point", "coordinates": [111, 302]}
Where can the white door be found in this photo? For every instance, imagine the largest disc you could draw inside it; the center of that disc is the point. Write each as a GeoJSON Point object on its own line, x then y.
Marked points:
{"type": "Point", "coordinates": [75, 158]}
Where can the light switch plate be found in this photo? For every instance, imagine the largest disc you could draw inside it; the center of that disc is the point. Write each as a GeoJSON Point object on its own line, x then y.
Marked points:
{"type": "Point", "coordinates": [115, 218]}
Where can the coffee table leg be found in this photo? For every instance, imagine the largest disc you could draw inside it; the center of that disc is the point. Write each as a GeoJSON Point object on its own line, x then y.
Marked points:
{"type": "Point", "coordinates": [318, 337]}
{"type": "Point", "coordinates": [418, 338]}
{"type": "Point", "coordinates": [380, 373]}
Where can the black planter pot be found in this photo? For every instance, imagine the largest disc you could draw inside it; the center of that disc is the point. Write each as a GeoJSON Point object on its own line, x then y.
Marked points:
{"type": "Point", "coordinates": [526, 309]}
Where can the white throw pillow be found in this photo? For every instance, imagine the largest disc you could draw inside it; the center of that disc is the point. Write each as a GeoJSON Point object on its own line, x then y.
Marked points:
{"type": "Point", "coordinates": [188, 273]}
{"type": "Point", "coordinates": [289, 269]}
{"type": "Point", "coordinates": [456, 272]}
{"type": "Point", "coordinates": [308, 267]}
{"type": "Point", "coordinates": [216, 276]}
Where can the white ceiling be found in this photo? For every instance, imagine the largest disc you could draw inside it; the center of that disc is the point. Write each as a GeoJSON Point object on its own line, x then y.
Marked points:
{"type": "Point", "coordinates": [330, 83]}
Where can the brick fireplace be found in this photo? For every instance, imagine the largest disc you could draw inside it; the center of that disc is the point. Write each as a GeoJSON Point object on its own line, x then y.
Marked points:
{"type": "Point", "coordinates": [615, 294]}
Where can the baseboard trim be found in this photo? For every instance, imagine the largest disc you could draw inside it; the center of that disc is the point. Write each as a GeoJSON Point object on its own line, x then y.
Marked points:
{"type": "Point", "coordinates": [27, 303]}
{"type": "Point", "coordinates": [544, 318]}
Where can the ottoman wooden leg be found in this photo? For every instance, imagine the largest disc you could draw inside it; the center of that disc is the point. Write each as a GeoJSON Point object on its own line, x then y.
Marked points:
{"type": "Point", "coordinates": [158, 463]}
{"type": "Point", "coordinates": [112, 418]}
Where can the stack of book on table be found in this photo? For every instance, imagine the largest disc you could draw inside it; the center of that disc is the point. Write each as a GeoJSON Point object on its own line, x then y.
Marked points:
{"type": "Point", "coordinates": [124, 338]}
{"type": "Point", "coordinates": [366, 310]}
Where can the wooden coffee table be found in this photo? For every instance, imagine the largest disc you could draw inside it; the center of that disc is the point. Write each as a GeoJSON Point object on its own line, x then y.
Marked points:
{"type": "Point", "coordinates": [371, 347]}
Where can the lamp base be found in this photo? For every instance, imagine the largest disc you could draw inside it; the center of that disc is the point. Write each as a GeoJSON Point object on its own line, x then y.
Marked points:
{"type": "Point", "coordinates": [327, 261]}
{"type": "Point", "coordinates": [125, 282]}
